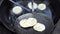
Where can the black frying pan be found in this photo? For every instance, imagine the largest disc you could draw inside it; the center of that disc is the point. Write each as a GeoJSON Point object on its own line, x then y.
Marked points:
{"type": "Point", "coordinates": [10, 24]}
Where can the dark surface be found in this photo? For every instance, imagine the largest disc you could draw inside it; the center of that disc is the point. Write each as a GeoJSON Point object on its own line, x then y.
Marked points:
{"type": "Point", "coordinates": [57, 28]}
{"type": "Point", "coordinates": [4, 30]}
{"type": "Point", "coordinates": [1, 1]}
{"type": "Point", "coordinates": [55, 4]}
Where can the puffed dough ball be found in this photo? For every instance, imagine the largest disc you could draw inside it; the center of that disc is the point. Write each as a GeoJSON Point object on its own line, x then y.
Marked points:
{"type": "Point", "coordinates": [17, 10]}
{"type": "Point", "coordinates": [25, 23]}
{"type": "Point", "coordinates": [39, 27]}
{"type": "Point", "coordinates": [32, 6]}
{"type": "Point", "coordinates": [42, 6]}
{"type": "Point", "coordinates": [32, 21]}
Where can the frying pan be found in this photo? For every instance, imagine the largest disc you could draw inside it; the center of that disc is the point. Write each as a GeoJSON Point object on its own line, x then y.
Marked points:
{"type": "Point", "coordinates": [8, 20]}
